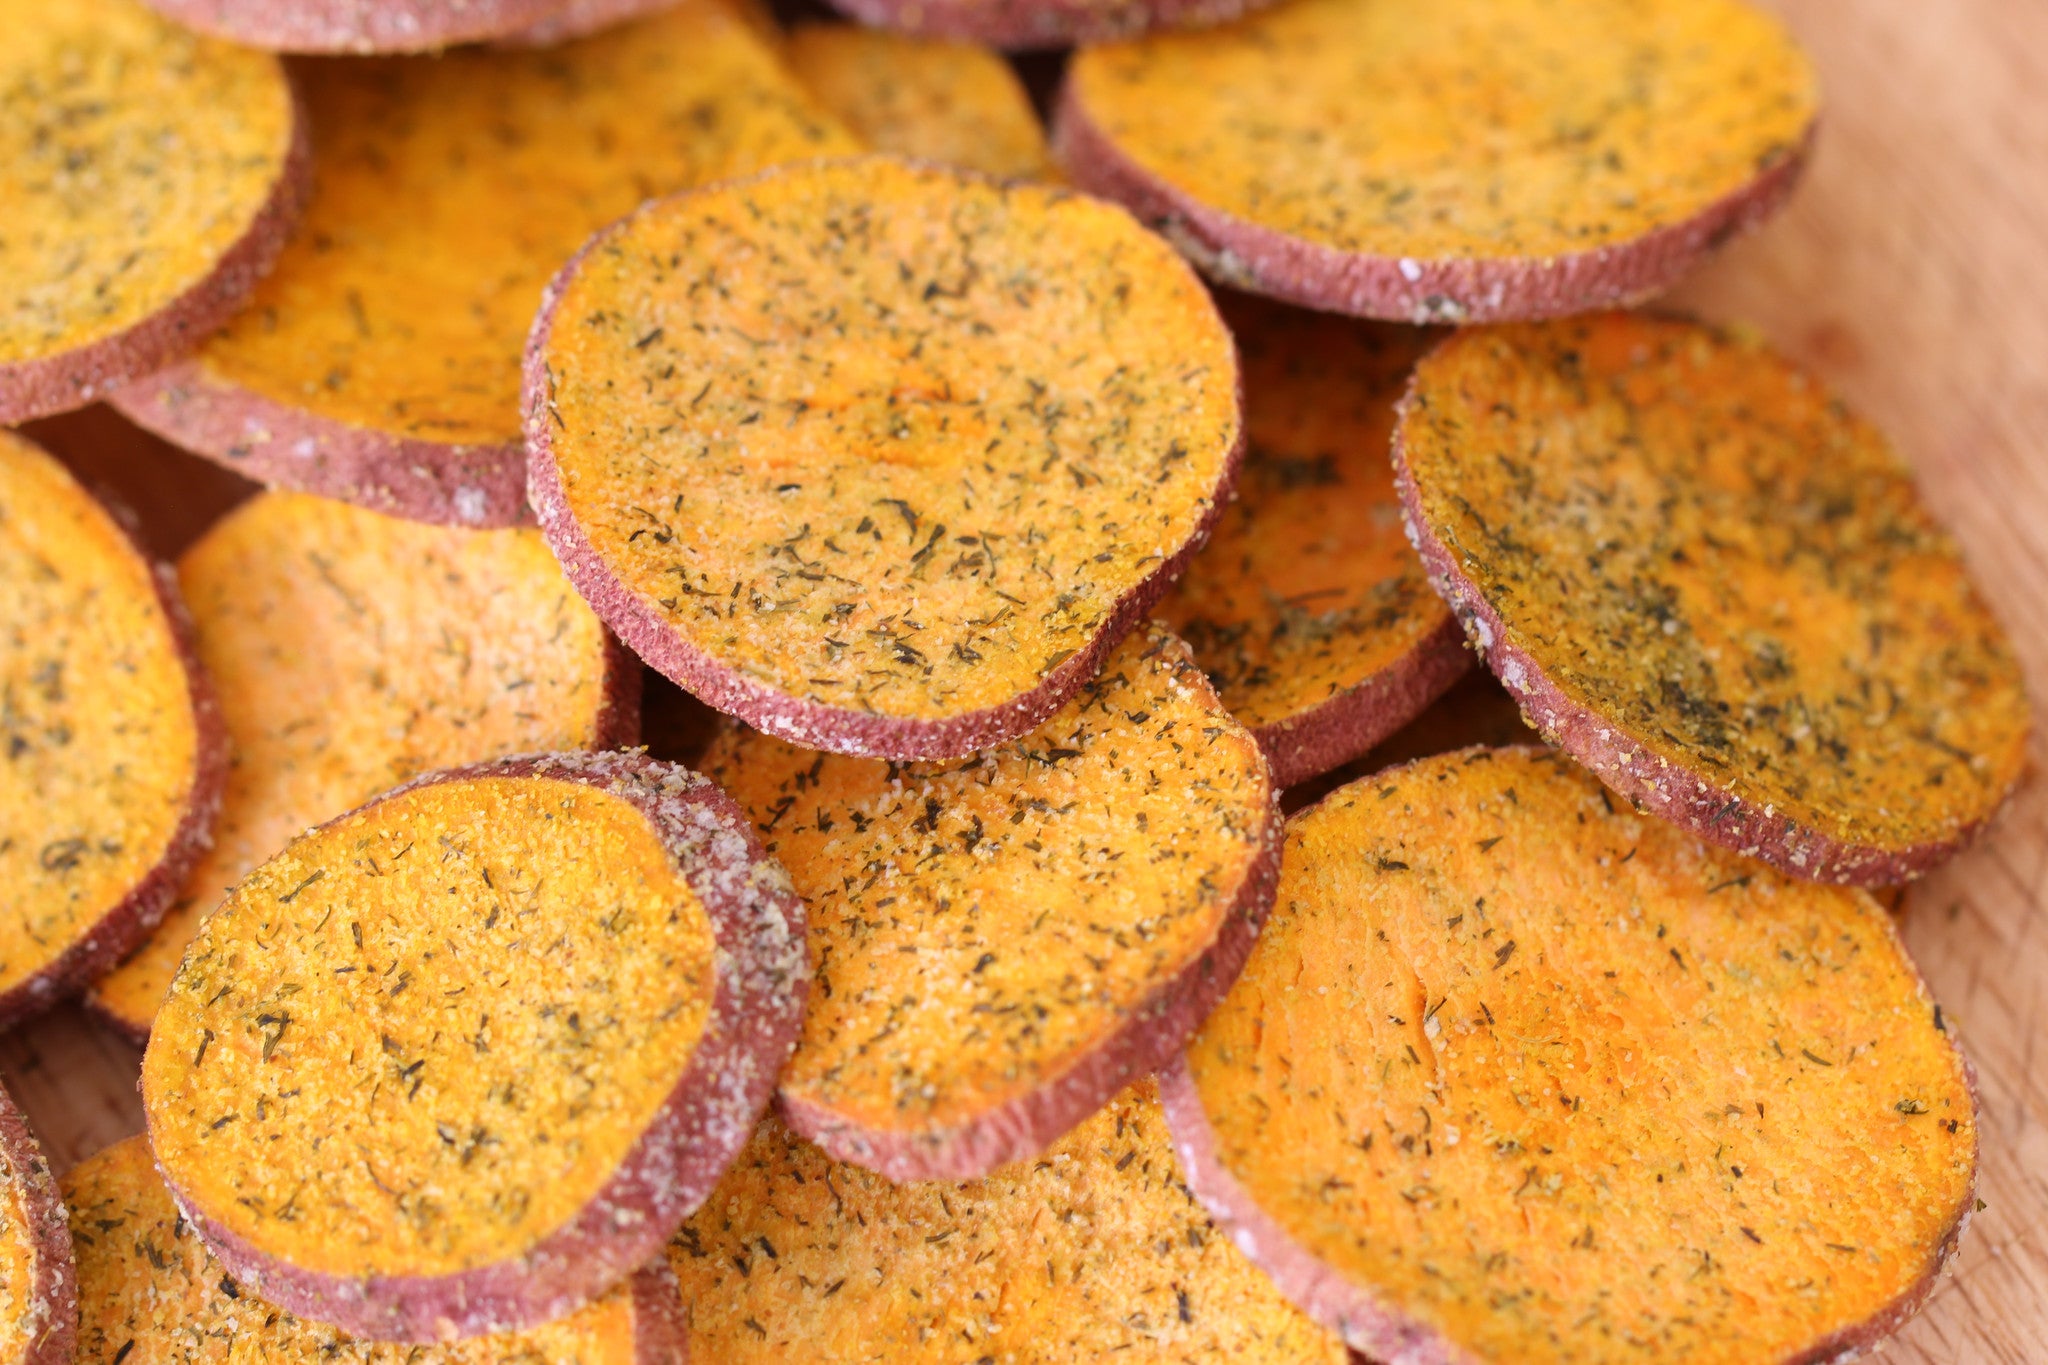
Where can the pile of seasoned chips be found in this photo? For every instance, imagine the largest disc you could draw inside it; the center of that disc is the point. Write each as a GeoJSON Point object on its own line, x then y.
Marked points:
{"type": "Point", "coordinates": [1007, 531]}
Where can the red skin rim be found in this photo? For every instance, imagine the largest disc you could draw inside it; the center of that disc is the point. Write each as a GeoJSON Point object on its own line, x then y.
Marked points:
{"type": "Point", "coordinates": [756, 1014]}
{"type": "Point", "coordinates": [661, 1329]}
{"type": "Point", "coordinates": [1261, 260]}
{"type": "Point", "coordinates": [472, 486]}
{"type": "Point", "coordinates": [1036, 25]}
{"type": "Point", "coordinates": [1346, 726]}
{"type": "Point", "coordinates": [53, 1291]}
{"type": "Point", "coordinates": [581, 18]}
{"type": "Point", "coordinates": [72, 379]}
{"type": "Point", "coordinates": [128, 921]}
{"type": "Point", "coordinates": [1379, 1330]}
{"type": "Point", "coordinates": [1152, 1036]}
{"type": "Point", "coordinates": [800, 720]}
{"type": "Point", "coordinates": [356, 26]}
{"type": "Point", "coordinates": [1650, 782]}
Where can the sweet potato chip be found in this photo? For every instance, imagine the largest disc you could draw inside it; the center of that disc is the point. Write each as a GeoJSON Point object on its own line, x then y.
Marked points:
{"type": "Point", "coordinates": [1717, 588]}
{"type": "Point", "coordinates": [379, 363]}
{"type": "Point", "coordinates": [38, 1291]}
{"type": "Point", "coordinates": [927, 98]}
{"type": "Point", "coordinates": [1001, 944]}
{"type": "Point", "coordinates": [1517, 1074]}
{"type": "Point", "coordinates": [352, 651]}
{"type": "Point", "coordinates": [149, 177]}
{"type": "Point", "coordinates": [112, 753]}
{"type": "Point", "coordinates": [1094, 1253]}
{"type": "Point", "coordinates": [360, 26]}
{"type": "Point", "coordinates": [881, 458]}
{"type": "Point", "coordinates": [1308, 608]}
{"type": "Point", "coordinates": [151, 1294]}
{"type": "Point", "coordinates": [1467, 160]}
{"type": "Point", "coordinates": [1039, 24]}
{"type": "Point", "coordinates": [460, 1061]}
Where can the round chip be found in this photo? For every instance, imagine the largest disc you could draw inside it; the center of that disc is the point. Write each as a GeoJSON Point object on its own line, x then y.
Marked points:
{"type": "Point", "coordinates": [1706, 580]}
{"type": "Point", "coordinates": [38, 1289]}
{"type": "Point", "coordinates": [1039, 24]}
{"type": "Point", "coordinates": [360, 26]}
{"type": "Point", "coordinates": [1308, 608]}
{"type": "Point", "coordinates": [112, 754]}
{"type": "Point", "coordinates": [926, 98]}
{"type": "Point", "coordinates": [351, 652]}
{"type": "Point", "coordinates": [1095, 1254]}
{"type": "Point", "coordinates": [379, 363]}
{"type": "Point", "coordinates": [1517, 1074]}
{"type": "Point", "coordinates": [149, 176]}
{"type": "Point", "coordinates": [1467, 160]}
{"type": "Point", "coordinates": [1002, 944]}
{"type": "Point", "coordinates": [151, 1294]}
{"type": "Point", "coordinates": [458, 1062]}
{"type": "Point", "coordinates": [881, 458]}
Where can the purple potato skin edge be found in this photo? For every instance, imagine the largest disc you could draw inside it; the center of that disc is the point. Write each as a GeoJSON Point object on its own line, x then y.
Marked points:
{"type": "Point", "coordinates": [357, 27]}
{"type": "Point", "coordinates": [1040, 25]}
{"type": "Point", "coordinates": [757, 1010]}
{"type": "Point", "coordinates": [53, 1292]}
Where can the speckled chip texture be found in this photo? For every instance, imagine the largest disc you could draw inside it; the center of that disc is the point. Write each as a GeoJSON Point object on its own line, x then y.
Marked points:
{"type": "Point", "coordinates": [352, 651]}
{"type": "Point", "coordinates": [927, 98]}
{"type": "Point", "coordinates": [881, 458]}
{"type": "Point", "coordinates": [1708, 581]}
{"type": "Point", "coordinates": [379, 363]}
{"type": "Point", "coordinates": [1308, 608]}
{"type": "Point", "coordinates": [111, 752]}
{"type": "Point", "coordinates": [38, 1287]}
{"type": "Point", "coordinates": [149, 177]}
{"type": "Point", "coordinates": [1038, 24]}
{"type": "Point", "coordinates": [1003, 943]}
{"type": "Point", "coordinates": [460, 1061]}
{"type": "Point", "coordinates": [151, 1294]}
{"type": "Point", "coordinates": [1091, 1254]}
{"type": "Point", "coordinates": [1517, 1074]}
{"type": "Point", "coordinates": [1465, 160]}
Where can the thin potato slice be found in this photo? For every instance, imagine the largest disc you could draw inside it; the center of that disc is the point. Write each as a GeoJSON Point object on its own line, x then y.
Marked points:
{"type": "Point", "coordinates": [1516, 1074]}
{"type": "Point", "coordinates": [1308, 608]}
{"type": "Point", "coordinates": [881, 458]}
{"type": "Point", "coordinates": [1706, 580]}
{"type": "Point", "coordinates": [1460, 161]}
{"type": "Point", "coordinates": [38, 1289]}
{"type": "Point", "coordinates": [927, 98]}
{"type": "Point", "coordinates": [151, 1294]}
{"type": "Point", "coordinates": [1001, 944]}
{"type": "Point", "coordinates": [460, 1061]}
{"type": "Point", "coordinates": [1095, 1253]}
{"type": "Point", "coordinates": [351, 652]}
{"type": "Point", "coordinates": [149, 178]}
{"type": "Point", "coordinates": [379, 363]}
{"type": "Point", "coordinates": [1039, 24]}
{"type": "Point", "coordinates": [112, 753]}
{"type": "Point", "coordinates": [360, 26]}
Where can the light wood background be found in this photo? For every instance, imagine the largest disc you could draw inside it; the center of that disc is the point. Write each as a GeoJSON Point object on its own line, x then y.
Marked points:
{"type": "Point", "coordinates": [1912, 270]}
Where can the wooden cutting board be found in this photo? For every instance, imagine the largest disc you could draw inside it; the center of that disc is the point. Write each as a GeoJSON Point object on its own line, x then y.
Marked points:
{"type": "Point", "coordinates": [1912, 270]}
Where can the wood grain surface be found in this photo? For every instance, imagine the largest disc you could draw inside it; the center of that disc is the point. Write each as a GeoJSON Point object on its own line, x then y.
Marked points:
{"type": "Point", "coordinates": [1912, 271]}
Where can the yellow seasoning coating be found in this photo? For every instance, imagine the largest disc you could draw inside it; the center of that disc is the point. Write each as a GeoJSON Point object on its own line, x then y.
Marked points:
{"type": "Point", "coordinates": [424, 1036]}
{"type": "Point", "coordinates": [135, 159]}
{"type": "Point", "coordinates": [1308, 608]}
{"type": "Point", "coordinates": [151, 1294]}
{"type": "Point", "coordinates": [1093, 1253]}
{"type": "Point", "coordinates": [879, 457]}
{"type": "Point", "coordinates": [101, 747]}
{"type": "Point", "coordinates": [1517, 1074]}
{"type": "Point", "coordinates": [1707, 580]}
{"type": "Point", "coordinates": [352, 651]}
{"type": "Point", "coordinates": [997, 942]}
{"type": "Point", "coordinates": [927, 98]}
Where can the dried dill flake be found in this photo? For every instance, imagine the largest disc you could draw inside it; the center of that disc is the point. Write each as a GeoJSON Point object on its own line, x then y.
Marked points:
{"type": "Point", "coordinates": [1091, 1254]}
{"type": "Point", "coordinates": [351, 652]}
{"type": "Point", "coordinates": [1715, 586]}
{"type": "Point", "coordinates": [1462, 160]}
{"type": "Point", "coordinates": [1308, 608]}
{"type": "Point", "coordinates": [881, 458]}
{"type": "Point", "coordinates": [1002, 942]}
{"type": "Point", "coordinates": [149, 1293]}
{"type": "Point", "coordinates": [1514, 1083]}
